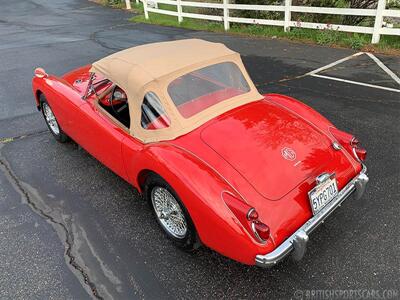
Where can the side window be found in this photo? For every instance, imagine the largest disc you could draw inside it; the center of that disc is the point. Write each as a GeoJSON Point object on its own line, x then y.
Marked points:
{"type": "Point", "coordinates": [115, 103]}
{"type": "Point", "coordinates": [153, 114]}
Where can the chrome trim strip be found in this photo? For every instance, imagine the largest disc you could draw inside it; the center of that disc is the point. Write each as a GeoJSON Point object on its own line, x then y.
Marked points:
{"type": "Point", "coordinates": [249, 212]}
{"type": "Point", "coordinates": [355, 154]}
{"type": "Point", "coordinates": [298, 240]}
{"type": "Point", "coordinates": [253, 227]}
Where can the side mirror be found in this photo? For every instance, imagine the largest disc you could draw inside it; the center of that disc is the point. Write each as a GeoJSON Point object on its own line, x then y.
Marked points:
{"type": "Point", "coordinates": [40, 73]}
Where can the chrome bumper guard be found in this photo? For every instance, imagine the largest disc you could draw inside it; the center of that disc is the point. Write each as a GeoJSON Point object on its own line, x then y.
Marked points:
{"type": "Point", "coordinates": [297, 242]}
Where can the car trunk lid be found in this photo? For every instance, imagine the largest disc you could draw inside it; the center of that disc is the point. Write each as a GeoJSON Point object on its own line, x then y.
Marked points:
{"type": "Point", "coordinates": [272, 148]}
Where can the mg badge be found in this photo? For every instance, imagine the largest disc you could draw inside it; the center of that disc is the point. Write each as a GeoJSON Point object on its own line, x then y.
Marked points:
{"type": "Point", "coordinates": [288, 153]}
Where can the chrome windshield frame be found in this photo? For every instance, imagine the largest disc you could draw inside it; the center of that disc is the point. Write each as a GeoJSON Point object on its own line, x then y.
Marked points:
{"type": "Point", "coordinates": [89, 89]}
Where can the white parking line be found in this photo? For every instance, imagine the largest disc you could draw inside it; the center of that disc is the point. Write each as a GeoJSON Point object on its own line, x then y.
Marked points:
{"type": "Point", "coordinates": [356, 82]}
{"type": "Point", "coordinates": [315, 72]}
{"type": "Point", "coordinates": [334, 63]}
{"type": "Point", "coordinates": [384, 68]}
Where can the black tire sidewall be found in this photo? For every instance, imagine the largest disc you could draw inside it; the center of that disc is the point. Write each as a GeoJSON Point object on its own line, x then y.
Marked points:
{"type": "Point", "coordinates": [189, 241]}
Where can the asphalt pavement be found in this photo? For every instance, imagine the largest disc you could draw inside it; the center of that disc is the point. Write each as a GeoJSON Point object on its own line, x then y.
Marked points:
{"type": "Point", "coordinates": [71, 229]}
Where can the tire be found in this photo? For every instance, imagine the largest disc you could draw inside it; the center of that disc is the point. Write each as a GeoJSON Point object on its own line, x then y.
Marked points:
{"type": "Point", "coordinates": [51, 121]}
{"type": "Point", "coordinates": [185, 237]}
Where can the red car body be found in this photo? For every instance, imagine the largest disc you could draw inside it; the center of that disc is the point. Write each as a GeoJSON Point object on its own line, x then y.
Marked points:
{"type": "Point", "coordinates": [237, 154]}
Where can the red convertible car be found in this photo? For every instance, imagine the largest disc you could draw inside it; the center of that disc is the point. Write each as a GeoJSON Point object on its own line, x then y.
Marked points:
{"type": "Point", "coordinates": [247, 175]}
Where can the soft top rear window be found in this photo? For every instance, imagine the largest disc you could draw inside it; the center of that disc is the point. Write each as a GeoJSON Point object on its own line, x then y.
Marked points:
{"type": "Point", "coordinates": [200, 89]}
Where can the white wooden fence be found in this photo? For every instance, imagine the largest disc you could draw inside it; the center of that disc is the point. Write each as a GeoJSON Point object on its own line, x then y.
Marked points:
{"type": "Point", "coordinates": [379, 13]}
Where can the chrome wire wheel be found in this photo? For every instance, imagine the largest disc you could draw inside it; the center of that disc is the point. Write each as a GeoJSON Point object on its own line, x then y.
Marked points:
{"type": "Point", "coordinates": [169, 212]}
{"type": "Point", "coordinates": [50, 118]}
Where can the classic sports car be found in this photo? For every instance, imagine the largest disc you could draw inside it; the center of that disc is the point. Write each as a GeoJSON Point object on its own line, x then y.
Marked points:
{"type": "Point", "coordinates": [247, 175]}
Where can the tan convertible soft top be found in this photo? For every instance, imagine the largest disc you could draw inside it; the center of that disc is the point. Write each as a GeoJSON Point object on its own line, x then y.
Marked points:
{"type": "Point", "coordinates": [151, 67]}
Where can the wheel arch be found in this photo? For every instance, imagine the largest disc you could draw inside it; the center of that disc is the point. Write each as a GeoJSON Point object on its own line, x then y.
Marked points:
{"type": "Point", "coordinates": [142, 177]}
{"type": "Point", "coordinates": [200, 189]}
{"type": "Point", "coordinates": [38, 94]}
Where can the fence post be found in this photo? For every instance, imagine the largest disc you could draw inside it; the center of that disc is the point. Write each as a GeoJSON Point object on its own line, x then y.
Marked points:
{"type": "Point", "coordinates": [179, 8]}
{"type": "Point", "coordinates": [288, 15]}
{"type": "Point", "coordinates": [226, 14]}
{"type": "Point", "coordinates": [146, 13]}
{"type": "Point", "coordinates": [128, 4]}
{"type": "Point", "coordinates": [376, 36]}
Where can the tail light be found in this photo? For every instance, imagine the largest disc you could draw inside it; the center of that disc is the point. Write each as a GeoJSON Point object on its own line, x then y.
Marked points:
{"type": "Point", "coordinates": [359, 152]}
{"type": "Point", "coordinates": [248, 217]}
{"type": "Point", "coordinates": [260, 230]}
{"type": "Point", "coordinates": [252, 214]}
{"type": "Point", "coordinates": [350, 143]}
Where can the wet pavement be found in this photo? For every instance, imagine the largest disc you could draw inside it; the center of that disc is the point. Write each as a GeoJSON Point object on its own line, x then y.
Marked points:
{"type": "Point", "coordinates": [70, 228]}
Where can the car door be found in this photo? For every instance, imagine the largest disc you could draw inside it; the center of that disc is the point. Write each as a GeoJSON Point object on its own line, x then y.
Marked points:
{"type": "Point", "coordinates": [87, 125]}
{"type": "Point", "coordinates": [102, 138]}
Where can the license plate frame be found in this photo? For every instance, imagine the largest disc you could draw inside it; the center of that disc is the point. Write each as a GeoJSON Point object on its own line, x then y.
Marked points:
{"type": "Point", "coordinates": [323, 193]}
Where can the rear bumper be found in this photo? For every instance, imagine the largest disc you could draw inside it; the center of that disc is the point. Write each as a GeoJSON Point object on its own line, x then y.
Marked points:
{"type": "Point", "coordinates": [297, 242]}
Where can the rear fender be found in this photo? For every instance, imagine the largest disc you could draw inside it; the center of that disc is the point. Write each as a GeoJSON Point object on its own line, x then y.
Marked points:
{"type": "Point", "coordinates": [313, 117]}
{"type": "Point", "coordinates": [301, 109]}
{"type": "Point", "coordinates": [199, 188]}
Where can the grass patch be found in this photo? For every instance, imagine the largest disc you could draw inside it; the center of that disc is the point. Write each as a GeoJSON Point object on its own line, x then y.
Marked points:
{"type": "Point", "coordinates": [111, 3]}
{"type": "Point", "coordinates": [327, 37]}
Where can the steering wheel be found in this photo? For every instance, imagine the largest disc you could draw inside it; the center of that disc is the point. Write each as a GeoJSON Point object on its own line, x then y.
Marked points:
{"type": "Point", "coordinates": [118, 96]}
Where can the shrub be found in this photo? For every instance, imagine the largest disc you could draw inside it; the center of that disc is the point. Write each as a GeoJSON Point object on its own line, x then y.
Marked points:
{"type": "Point", "coordinates": [393, 4]}
{"type": "Point", "coordinates": [356, 42]}
{"type": "Point", "coordinates": [205, 10]}
{"type": "Point", "coordinates": [115, 2]}
{"type": "Point", "coordinates": [316, 18]}
{"type": "Point", "coordinates": [255, 14]}
{"type": "Point", "coordinates": [327, 37]}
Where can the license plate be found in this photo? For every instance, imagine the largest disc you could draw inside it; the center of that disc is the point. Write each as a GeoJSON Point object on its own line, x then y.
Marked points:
{"type": "Point", "coordinates": [322, 194]}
